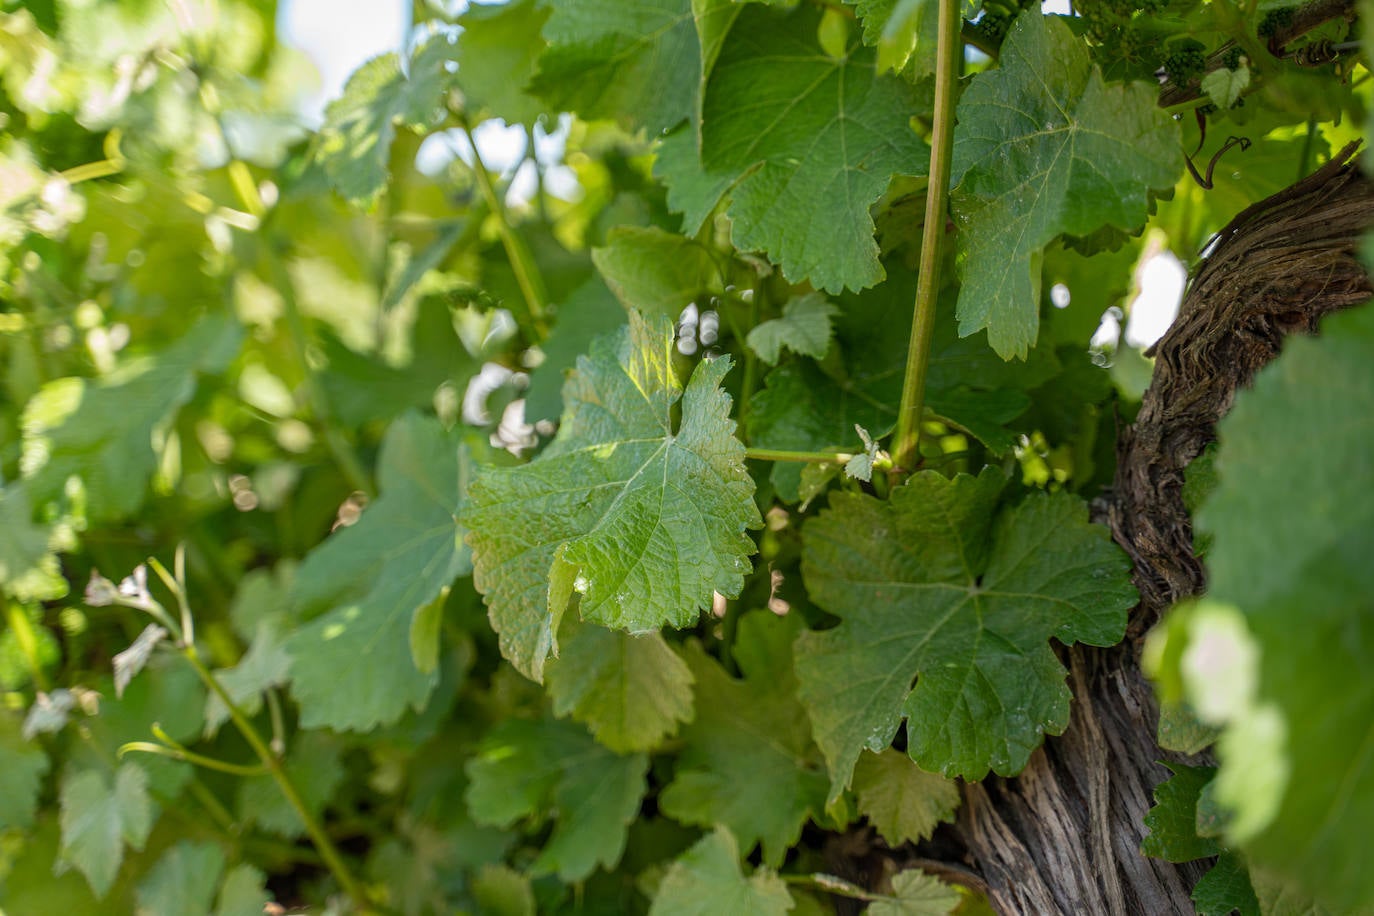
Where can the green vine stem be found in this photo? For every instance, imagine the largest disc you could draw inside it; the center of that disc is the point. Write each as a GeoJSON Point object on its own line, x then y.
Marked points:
{"type": "Point", "coordinates": [273, 765]}
{"type": "Point", "coordinates": [181, 753]}
{"type": "Point", "coordinates": [906, 443]}
{"type": "Point", "coordinates": [527, 275]}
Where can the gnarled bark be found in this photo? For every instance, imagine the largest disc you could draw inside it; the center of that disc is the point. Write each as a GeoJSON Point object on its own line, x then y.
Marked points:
{"type": "Point", "coordinates": [1064, 836]}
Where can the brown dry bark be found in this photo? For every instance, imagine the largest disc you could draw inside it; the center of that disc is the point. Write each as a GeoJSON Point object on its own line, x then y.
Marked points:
{"type": "Point", "coordinates": [1064, 836]}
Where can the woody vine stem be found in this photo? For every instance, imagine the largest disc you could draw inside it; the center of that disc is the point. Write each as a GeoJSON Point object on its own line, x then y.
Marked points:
{"type": "Point", "coordinates": [907, 440]}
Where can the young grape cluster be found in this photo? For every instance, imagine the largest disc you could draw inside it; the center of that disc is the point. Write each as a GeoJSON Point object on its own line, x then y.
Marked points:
{"type": "Point", "coordinates": [998, 15]}
{"type": "Point", "coordinates": [1183, 60]}
{"type": "Point", "coordinates": [1275, 19]}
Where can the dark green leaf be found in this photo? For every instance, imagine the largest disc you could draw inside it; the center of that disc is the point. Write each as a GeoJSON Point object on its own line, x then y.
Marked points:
{"type": "Point", "coordinates": [749, 762]}
{"type": "Point", "coordinates": [555, 769]}
{"type": "Point", "coordinates": [934, 586]}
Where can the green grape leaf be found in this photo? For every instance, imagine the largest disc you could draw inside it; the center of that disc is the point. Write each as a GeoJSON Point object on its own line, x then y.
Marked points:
{"type": "Point", "coordinates": [29, 568]}
{"type": "Point", "coordinates": [692, 190]}
{"type": "Point", "coordinates": [375, 577]}
{"type": "Point", "coordinates": [99, 817]}
{"type": "Point", "coordinates": [706, 880]}
{"type": "Point", "coordinates": [934, 586]}
{"type": "Point", "coordinates": [359, 127]}
{"type": "Point", "coordinates": [589, 311]}
{"type": "Point", "coordinates": [502, 891]}
{"type": "Point", "coordinates": [630, 691]}
{"type": "Point", "coordinates": [807, 134]}
{"type": "Point", "coordinates": [655, 271]}
{"type": "Point", "coordinates": [1226, 889]}
{"type": "Point", "coordinates": [1173, 819]}
{"type": "Point", "coordinates": [633, 60]}
{"type": "Point", "coordinates": [244, 892]}
{"type": "Point", "coordinates": [644, 519]}
{"type": "Point", "coordinates": [498, 50]}
{"type": "Point", "coordinates": [1224, 86]}
{"type": "Point", "coordinates": [524, 768]}
{"type": "Point", "coordinates": [803, 328]}
{"type": "Point", "coordinates": [265, 665]}
{"type": "Point", "coordinates": [1293, 529]}
{"type": "Point", "coordinates": [362, 388]}
{"type": "Point", "coordinates": [901, 800]}
{"type": "Point", "coordinates": [183, 881]}
{"type": "Point", "coordinates": [1044, 147]}
{"type": "Point", "coordinates": [749, 762]}
{"type": "Point", "coordinates": [22, 766]}
{"type": "Point", "coordinates": [314, 764]}
{"type": "Point", "coordinates": [103, 432]}
{"type": "Point", "coordinates": [903, 31]}
{"type": "Point", "coordinates": [915, 893]}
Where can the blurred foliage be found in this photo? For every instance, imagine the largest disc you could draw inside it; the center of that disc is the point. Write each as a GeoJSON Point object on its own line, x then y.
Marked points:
{"type": "Point", "coordinates": [274, 358]}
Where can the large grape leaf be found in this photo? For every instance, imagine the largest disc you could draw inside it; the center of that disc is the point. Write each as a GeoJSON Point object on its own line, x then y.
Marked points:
{"type": "Point", "coordinates": [374, 577]}
{"type": "Point", "coordinates": [102, 432]}
{"type": "Point", "coordinates": [359, 127]}
{"type": "Point", "coordinates": [1292, 523]}
{"type": "Point", "coordinates": [551, 768]}
{"type": "Point", "coordinates": [936, 587]}
{"type": "Point", "coordinates": [803, 133]}
{"type": "Point", "coordinates": [706, 880]}
{"type": "Point", "coordinates": [631, 691]}
{"type": "Point", "coordinates": [1044, 147]}
{"type": "Point", "coordinates": [636, 60]}
{"type": "Point", "coordinates": [749, 762]}
{"type": "Point", "coordinates": [642, 517]}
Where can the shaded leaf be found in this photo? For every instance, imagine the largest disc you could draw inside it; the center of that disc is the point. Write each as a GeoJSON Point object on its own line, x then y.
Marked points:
{"type": "Point", "coordinates": [916, 893]}
{"type": "Point", "coordinates": [131, 661]}
{"type": "Point", "coordinates": [901, 800]}
{"type": "Point", "coordinates": [22, 767]}
{"type": "Point", "coordinates": [374, 577]}
{"type": "Point", "coordinates": [655, 271]}
{"type": "Point", "coordinates": [631, 691]}
{"type": "Point", "coordinates": [749, 762]}
{"type": "Point", "coordinates": [707, 880]}
{"type": "Point", "coordinates": [803, 328]}
{"type": "Point", "coordinates": [183, 881]}
{"type": "Point", "coordinates": [314, 764]}
{"type": "Point", "coordinates": [554, 769]}
{"type": "Point", "coordinates": [497, 50]}
{"type": "Point", "coordinates": [1173, 819]}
